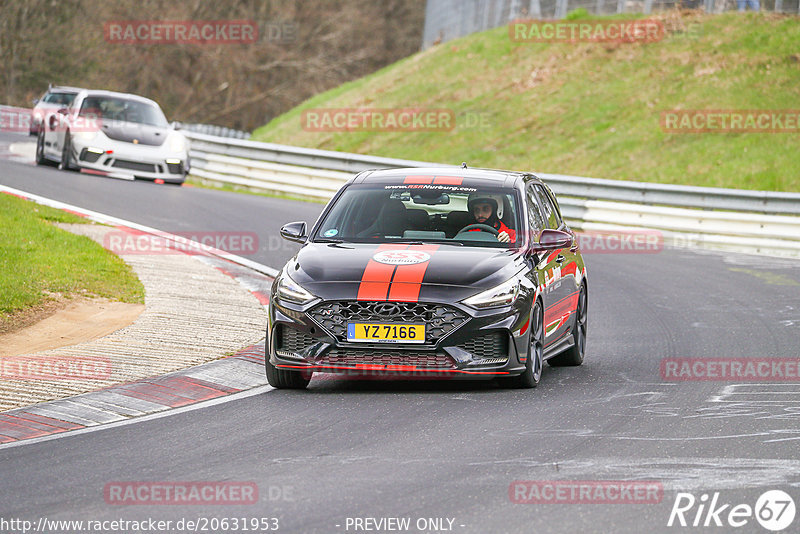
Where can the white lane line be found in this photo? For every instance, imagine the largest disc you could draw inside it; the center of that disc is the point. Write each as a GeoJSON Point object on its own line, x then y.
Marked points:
{"type": "Point", "coordinates": [168, 413]}
{"type": "Point", "coordinates": [108, 219]}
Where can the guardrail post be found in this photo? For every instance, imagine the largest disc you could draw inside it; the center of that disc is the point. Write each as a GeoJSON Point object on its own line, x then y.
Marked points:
{"type": "Point", "coordinates": [648, 6]}
{"type": "Point", "coordinates": [620, 6]}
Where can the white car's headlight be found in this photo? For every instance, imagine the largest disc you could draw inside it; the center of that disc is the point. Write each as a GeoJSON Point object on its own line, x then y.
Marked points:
{"type": "Point", "coordinates": [292, 291]}
{"type": "Point", "coordinates": [177, 143]}
{"type": "Point", "coordinates": [502, 295]}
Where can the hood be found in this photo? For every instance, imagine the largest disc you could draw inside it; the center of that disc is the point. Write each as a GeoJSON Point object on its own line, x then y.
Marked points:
{"type": "Point", "coordinates": [144, 134]}
{"type": "Point", "coordinates": [349, 270]}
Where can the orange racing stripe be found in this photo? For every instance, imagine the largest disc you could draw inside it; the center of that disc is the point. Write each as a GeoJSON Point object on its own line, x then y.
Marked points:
{"type": "Point", "coordinates": [377, 276]}
{"type": "Point", "coordinates": [407, 281]}
{"type": "Point", "coordinates": [418, 180]}
{"type": "Point", "coordinates": [448, 180]}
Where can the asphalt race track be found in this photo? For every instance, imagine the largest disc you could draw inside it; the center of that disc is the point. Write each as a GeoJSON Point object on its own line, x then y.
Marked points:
{"type": "Point", "coordinates": [366, 449]}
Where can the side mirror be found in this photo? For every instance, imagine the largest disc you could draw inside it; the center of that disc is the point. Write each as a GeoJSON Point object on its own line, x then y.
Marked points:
{"type": "Point", "coordinates": [294, 231]}
{"type": "Point", "coordinates": [62, 111]}
{"type": "Point", "coordinates": [552, 240]}
{"type": "Point", "coordinates": [35, 101]}
{"type": "Point", "coordinates": [176, 125]}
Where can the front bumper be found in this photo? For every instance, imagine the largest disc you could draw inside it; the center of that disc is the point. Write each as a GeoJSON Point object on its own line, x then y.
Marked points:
{"type": "Point", "coordinates": [479, 345]}
{"type": "Point", "coordinates": [129, 161]}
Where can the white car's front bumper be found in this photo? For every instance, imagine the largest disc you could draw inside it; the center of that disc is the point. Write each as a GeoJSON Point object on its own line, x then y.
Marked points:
{"type": "Point", "coordinates": [127, 160]}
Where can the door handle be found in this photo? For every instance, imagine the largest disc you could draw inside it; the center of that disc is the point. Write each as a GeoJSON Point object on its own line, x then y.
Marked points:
{"type": "Point", "coordinates": [560, 258]}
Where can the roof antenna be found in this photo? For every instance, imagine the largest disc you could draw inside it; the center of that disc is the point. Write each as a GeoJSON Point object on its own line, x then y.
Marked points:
{"type": "Point", "coordinates": [463, 164]}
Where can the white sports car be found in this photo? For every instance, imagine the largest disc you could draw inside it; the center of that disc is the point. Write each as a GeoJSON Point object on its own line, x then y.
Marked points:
{"type": "Point", "coordinates": [114, 134]}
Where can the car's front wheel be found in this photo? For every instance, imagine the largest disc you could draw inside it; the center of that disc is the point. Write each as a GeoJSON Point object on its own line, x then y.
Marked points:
{"type": "Point", "coordinates": [40, 159]}
{"type": "Point", "coordinates": [283, 379]}
{"type": "Point", "coordinates": [533, 366]}
{"type": "Point", "coordinates": [66, 163]}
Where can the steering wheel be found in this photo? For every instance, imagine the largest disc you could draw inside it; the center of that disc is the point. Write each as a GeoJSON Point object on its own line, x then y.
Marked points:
{"type": "Point", "coordinates": [481, 227]}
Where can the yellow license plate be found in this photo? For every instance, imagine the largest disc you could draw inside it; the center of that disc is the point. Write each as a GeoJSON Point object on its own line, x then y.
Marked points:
{"type": "Point", "coordinates": [386, 332]}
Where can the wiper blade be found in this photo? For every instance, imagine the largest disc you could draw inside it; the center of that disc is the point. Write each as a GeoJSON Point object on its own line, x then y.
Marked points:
{"type": "Point", "coordinates": [328, 240]}
{"type": "Point", "coordinates": [428, 241]}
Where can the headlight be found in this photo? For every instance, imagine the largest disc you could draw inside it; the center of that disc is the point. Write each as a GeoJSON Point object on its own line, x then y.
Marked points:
{"type": "Point", "coordinates": [502, 295]}
{"type": "Point", "coordinates": [87, 135]}
{"type": "Point", "coordinates": [177, 143]}
{"type": "Point", "coordinates": [292, 291]}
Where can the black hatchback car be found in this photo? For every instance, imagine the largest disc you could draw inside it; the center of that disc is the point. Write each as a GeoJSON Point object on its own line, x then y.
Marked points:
{"type": "Point", "coordinates": [443, 273]}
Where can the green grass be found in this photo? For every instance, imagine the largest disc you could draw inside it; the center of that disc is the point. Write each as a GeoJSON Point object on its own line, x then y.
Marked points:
{"type": "Point", "coordinates": [38, 259]}
{"type": "Point", "coordinates": [588, 109]}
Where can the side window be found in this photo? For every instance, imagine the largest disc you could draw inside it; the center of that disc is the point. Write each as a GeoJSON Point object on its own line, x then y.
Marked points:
{"type": "Point", "coordinates": [550, 212]}
{"type": "Point", "coordinates": [534, 213]}
{"type": "Point", "coordinates": [554, 203]}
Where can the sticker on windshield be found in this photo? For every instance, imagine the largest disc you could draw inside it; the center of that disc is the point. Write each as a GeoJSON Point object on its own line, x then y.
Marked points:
{"type": "Point", "coordinates": [330, 233]}
{"type": "Point", "coordinates": [401, 257]}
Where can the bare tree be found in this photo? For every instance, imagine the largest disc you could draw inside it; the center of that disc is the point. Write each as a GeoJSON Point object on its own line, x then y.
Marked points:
{"type": "Point", "coordinates": [304, 47]}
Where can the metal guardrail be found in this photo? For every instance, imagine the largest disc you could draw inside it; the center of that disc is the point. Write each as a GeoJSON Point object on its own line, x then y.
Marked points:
{"type": "Point", "coordinates": [241, 155]}
{"type": "Point", "coordinates": [728, 219]}
{"type": "Point", "coordinates": [211, 129]}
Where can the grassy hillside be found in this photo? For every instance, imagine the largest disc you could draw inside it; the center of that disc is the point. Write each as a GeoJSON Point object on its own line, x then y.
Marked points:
{"type": "Point", "coordinates": [588, 109]}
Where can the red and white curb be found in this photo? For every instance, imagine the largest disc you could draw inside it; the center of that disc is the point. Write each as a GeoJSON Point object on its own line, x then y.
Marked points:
{"type": "Point", "coordinates": [192, 387]}
{"type": "Point", "coordinates": [240, 372]}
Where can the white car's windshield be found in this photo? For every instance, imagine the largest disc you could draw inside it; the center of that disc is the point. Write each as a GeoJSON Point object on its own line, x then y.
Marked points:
{"type": "Point", "coordinates": [59, 99]}
{"type": "Point", "coordinates": [114, 109]}
{"type": "Point", "coordinates": [468, 216]}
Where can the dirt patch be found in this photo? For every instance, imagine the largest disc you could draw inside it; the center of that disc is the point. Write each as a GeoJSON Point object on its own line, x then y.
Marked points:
{"type": "Point", "coordinates": [77, 321]}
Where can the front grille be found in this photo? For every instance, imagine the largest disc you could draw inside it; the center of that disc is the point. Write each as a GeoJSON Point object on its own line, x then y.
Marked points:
{"type": "Point", "coordinates": [494, 345]}
{"type": "Point", "coordinates": [368, 357]}
{"type": "Point", "coordinates": [134, 165]}
{"type": "Point", "coordinates": [292, 341]}
{"type": "Point", "coordinates": [439, 320]}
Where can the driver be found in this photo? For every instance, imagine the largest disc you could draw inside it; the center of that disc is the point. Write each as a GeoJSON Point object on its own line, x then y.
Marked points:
{"type": "Point", "coordinates": [484, 209]}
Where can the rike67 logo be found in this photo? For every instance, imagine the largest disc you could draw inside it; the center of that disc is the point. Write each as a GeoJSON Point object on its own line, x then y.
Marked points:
{"type": "Point", "coordinates": [774, 510]}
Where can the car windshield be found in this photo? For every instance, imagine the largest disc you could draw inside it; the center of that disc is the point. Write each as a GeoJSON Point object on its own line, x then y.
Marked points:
{"type": "Point", "coordinates": [399, 212]}
{"type": "Point", "coordinates": [59, 99]}
{"type": "Point", "coordinates": [113, 109]}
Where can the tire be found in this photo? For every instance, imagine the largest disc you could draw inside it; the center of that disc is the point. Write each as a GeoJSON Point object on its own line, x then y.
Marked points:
{"type": "Point", "coordinates": [574, 355]}
{"type": "Point", "coordinates": [533, 366]}
{"type": "Point", "coordinates": [282, 379]}
{"type": "Point", "coordinates": [40, 159]}
{"type": "Point", "coordinates": [66, 155]}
